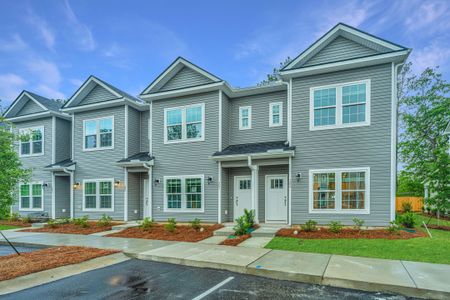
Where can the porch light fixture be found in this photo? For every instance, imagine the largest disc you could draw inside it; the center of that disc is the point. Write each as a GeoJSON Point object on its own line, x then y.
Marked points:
{"type": "Point", "coordinates": [45, 185]}
{"type": "Point", "coordinates": [298, 176]}
{"type": "Point", "coordinates": [117, 183]}
{"type": "Point", "coordinates": [157, 180]}
{"type": "Point", "coordinates": [76, 185]}
{"type": "Point", "coordinates": [210, 179]}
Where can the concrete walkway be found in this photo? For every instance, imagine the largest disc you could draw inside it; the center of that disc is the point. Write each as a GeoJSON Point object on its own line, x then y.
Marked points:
{"type": "Point", "coordinates": [414, 279]}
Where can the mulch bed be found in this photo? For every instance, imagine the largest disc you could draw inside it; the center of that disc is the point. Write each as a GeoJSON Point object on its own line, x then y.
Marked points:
{"type": "Point", "coordinates": [15, 223]}
{"type": "Point", "coordinates": [439, 227]}
{"type": "Point", "coordinates": [14, 265]}
{"type": "Point", "coordinates": [350, 234]}
{"type": "Point", "coordinates": [73, 229]}
{"type": "Point", "coordinates": [183, 233]}
{"type": "Point", "coordinates": [236, 240]}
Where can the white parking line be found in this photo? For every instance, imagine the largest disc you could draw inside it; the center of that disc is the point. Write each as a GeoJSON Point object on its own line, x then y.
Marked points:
{"type": "Point", "coordinates": [203, 295]}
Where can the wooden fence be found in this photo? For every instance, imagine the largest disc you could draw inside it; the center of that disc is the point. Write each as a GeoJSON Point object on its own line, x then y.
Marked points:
{"type": "Point", "coordinates": [416, 202]}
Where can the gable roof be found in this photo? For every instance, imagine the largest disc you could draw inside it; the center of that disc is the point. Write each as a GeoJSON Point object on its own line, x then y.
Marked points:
{"type": "Point", "coordinates": [170, 72]}
{"type": "Point", "coordinates": [25, 96]}
{"type": "Point", "coordinates": [366, 39]}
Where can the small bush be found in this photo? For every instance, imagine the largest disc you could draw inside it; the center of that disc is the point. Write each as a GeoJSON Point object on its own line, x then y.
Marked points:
{"type": "Point", "coordinates": [195, 224]}
{"type": "Point", "coordinates": [52, 223]}
{"type": "Point", "coordinates": [335, 226]}
{"type": "Point", "coordinates": [249, 217]}
{"type": "Point", "coordinates": [393, 227]}
{"type": "Point", "coordinates": [14, 217]}
{"type": "Point", "coordinates": [26, 219]}
{"type": "Point", "coordinates": [310, 225]}
{"type": "Point", "coordinates": [171, 225]}
{"type": "Point", "coordinates": [64, 221]}
{"type": "Point", "coordinates": [408, 220]}
{"type": "Point", "coordinates": [146, 224]}
{"type": "Point", "coordinates": [406, 207]}
{"type": "Point", "coordinates": [82, 222]}
{"type": "Point", "coordinates": [105, 220]}
{"type": "Point", "coordinates": [241, 226]}
{"type": "Point", "coordinates": [358, 223]}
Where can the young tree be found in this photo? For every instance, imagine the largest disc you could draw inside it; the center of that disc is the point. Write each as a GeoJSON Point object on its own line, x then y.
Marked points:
{"type": "Point", "coordinates": [11, 170]}
{"type": "Point", "coordinates": [275, 75]}
{"type": "Point", "coordinates": [424, 110]}
{"type": "Point", "coordinates": [409, 185]}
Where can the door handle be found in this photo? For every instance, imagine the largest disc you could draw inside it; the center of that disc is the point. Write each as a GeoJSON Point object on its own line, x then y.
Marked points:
{"type": "Point", "coordinates": [237, 201]}
{"type": "Point", "coordinates": [285, 200]}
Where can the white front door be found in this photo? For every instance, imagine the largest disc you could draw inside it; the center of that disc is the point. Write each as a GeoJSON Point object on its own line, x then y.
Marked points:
{"type": "Point", "coordinates": [146, 199]}
{"type": "Point", "coordinates": [276, 198]}
{"type": "Point", "coordinates": [242, 195]}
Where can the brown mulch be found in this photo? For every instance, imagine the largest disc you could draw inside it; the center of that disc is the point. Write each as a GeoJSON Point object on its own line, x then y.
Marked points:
{"type": "Point", "coordinates": [183, 233]}
{"type": "Point", "coordinates": [324, 233]}
{"type": "Point", "coordinates": [236, 240]}
{"type": "Point", "coordinates": [440, 227]}
{"type": "Point", "coordinates": [14, 265]}
{"type": "Point", "coordinates": [73, 229]}
{"type": "Point", "coordinates": [15, 223]}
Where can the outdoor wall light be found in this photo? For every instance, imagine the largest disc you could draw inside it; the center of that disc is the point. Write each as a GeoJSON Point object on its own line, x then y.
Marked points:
{"type": "Point", "coordinates": [117, 183]}
{"type": "Point", "coordinates": [209, 179]}
{"type": "Point", "coordinates": [76, 185]}
{"type": "Point", "coordinates": [45, 185]}
{"type": "Point", "coordinates": [298, 176]}
{"type": "Point", "coordinates": [157, 180]}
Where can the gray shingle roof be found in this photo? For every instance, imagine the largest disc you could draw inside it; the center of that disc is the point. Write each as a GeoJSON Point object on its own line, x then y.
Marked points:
{"type": "Point", "coordinates": [122, 93]}
{"type": "Point", "coordinates": [142, 157]}
{"type": "Point", "coordinates": [254, 148]}
{"type": "Point", "coordinates": [48, 103]}
{"type": "Point", "coordinates": [63, 164]}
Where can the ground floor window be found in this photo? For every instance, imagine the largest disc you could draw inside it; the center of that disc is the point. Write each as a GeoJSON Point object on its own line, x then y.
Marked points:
{"type": "Point", "coordinates": [184, 193]}
{"type": "Point", "coordinates": [31, 196]}
{"type": "Point", "coordinates": [339, 190]}
{"type": "Point", "coordinates": [98, 194]}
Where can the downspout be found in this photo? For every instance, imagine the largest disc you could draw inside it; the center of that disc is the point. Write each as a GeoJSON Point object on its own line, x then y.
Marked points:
{"type": "Point", "coordinates": [70, 172]}
{"type": "Point", "coordinates": [254, 185]}
{"type": "Point", "coordinates": [150, 185]}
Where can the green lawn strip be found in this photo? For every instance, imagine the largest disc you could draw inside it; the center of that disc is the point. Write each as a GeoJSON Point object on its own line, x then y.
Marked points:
{"type": "Point", "coordinates": [433, 221]}
{"type": "Point", "coordinates": [435, 250]}
{"type": "Point", "coordinates": [5, 227]}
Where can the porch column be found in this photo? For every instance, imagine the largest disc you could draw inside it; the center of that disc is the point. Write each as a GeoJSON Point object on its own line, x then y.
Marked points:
{"type": "Point", "coordinates": [125, 195]}
{"type": "Point", "coordinates": [150, 189]}
{"type": "Point", "coordinates": [255, 184]}
{"type": "Point", "coordinates": [219, 192]}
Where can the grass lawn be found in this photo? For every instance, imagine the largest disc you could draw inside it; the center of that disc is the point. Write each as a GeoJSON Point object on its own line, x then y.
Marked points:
{"type": "Point", "coordinates": [435, 250]}
{"type": "Point", "coordinates": [433, 221]}
{"type": "Point", "coordinates": [5, 227]}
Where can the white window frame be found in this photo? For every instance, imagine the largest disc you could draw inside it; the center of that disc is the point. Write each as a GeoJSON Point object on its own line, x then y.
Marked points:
{"type": "Point", "coordinates": [271, 123]}
{"type": "Point", "coordinates": [29, 129]}
{"type": "Point", "coordinates": [183, 208]}
{"type": "Point", "coordinates": [338, 192]}
{"type": "Point", "coordinates": [339, 106]}
{"type": "Point", "coordinates": [184, 138]}
{"type": "Point", "coordinates": [31, 196]}
{"type": "Point", "coordinates": [97, 195]}
{"type": "Point", "coordinates": [249, 108]}
{"type": "Point", "coordinates": [97, 120]}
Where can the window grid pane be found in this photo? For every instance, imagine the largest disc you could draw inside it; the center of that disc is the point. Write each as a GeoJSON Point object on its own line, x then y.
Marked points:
{"type": "Point", "coordinates": [173, 191]}
{"type": "Point", "coordinates": [194, 193]}
{"type": "Point", "coordinates": [353, 190]}
{"type": "Point", "coordinates": [324, 191]}
{"type": "Point", "coordinates": [90, 191]}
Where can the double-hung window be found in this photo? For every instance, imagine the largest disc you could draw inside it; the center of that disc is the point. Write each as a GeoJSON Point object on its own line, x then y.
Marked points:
{"type": "Point", "coordinates": [98, 133]}
{"type": "Point", "coordinates": [31, 141]}
{"type": "Point", "coordinates": [341, 105]}
{"type": "Point", "coordinates": [276, 114]}
{"type": "Point", "coordinates": [31, 196]}
{"type": "Point", "coordinates": [98, 195]}
{"type": "Point", "coordinates": [245, 117]}
{"type": "Point", "coordinates": [184, 124]}
{"type": "Point", "coordinates": [184, 193]}
{"type": "Point", "coordinates": [340, 190]}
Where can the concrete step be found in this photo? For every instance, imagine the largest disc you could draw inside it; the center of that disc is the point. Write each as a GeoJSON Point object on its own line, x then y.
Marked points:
{"type": "Point", "coordinates": [214, 240]}
{"type": "Point", "coordinates": [224, 231]}
{"type": "Point", "coordinates": [264, 231]}
{"type": "Point", "coordinates": [38, 225]}
{"type": "Point", "coordinates": [255, 242]}
{"type": "Point", "coordinates": [126, 225]}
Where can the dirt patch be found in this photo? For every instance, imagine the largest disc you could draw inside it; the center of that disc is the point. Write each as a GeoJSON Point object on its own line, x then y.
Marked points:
{"type": "Point", "coordinates": [15, 223]}
{"type": "Point", "coordinates": [234, 241]}
{"type": "Point", "coordinates": [183, 233]}
{"type": "Point", "coordinates": [446, 228]}
{"type": "Point", "coordinates": [324, 233]}
{"type": "Point", "coordinates": [73, 229]}
{"type": "Point", "coordinates": [14, 265]}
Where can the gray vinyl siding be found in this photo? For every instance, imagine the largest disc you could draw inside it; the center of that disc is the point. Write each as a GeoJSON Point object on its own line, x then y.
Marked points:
{"type": "Point", "coordinates": [101, 163]}
{"type": "Point", "coordinates": [30, 107]}
{"type": "Point", "coordinates": [225, 121]}
{"type": "Point", "coordinates": [98, 94]}
{"type": "Point", "coordinates": [367, 146]}
{"type": "Point", "coordinates": [339, 49]}
{"type": "Point", "coordinates": [190, 158]}
{"type": "Point", "coordinates": [186, 77]}
{"type": "Point", "coordinates": [260, 130]}
{"type": "Point", "coordinates": [144, 141]}
{"type": "Point", "coordinates": [134, 196]}
{"type": "Point", "coordinates": [37, 163]}
{"type": "Point", "coordinates": [134, 131]}
{"type": "Point", "coordinates": [62, 196]}
{"type": "Point", "coordinates": [63, 139]}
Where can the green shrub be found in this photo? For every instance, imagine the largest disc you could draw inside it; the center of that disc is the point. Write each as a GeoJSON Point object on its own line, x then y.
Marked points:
{"type": "Point", "coordinates": [358, 223]}
{"type": "Point", "coordinates": [249, 217]}
{"type": "Point", "coordinates": [408, 220]}
{"type": "Point", "coordinates": [52, 223]}
{"type": "Point", "coordinates": [146, 224]}
{"type": "Point", "coordinates": [310, 225]}
{"type": "Point", "coordinates": [14, 217]}
{"type": "Point", "coordinates": [105, 220]}
{"type": "Point", "coordinates": [393, 227]}
{"type": "Point", "coordinates": [406, 207]}
{"type": "Point", "coordinates": [171, 225]}
{"type": "Point", "coordinates": [195, 224]}
{"type": "Point", "coordinates": [64, 221]}
{"type": "Point", "coordinates": [82, 222]}
{"type": "Point", "coordinates": [241, 226]}
{"type": "Point", "coordinates": [26, 219]}
{"type": "Point", "coordinates": [335, 226]}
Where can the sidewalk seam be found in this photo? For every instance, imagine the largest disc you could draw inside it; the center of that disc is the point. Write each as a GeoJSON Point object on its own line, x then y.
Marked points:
{"type": "Point", "coordinates": [326, 267]}
{"type": "Point", "coordinates": [270, 250]}
{"type": "Point", "coordinates": [406, 269]}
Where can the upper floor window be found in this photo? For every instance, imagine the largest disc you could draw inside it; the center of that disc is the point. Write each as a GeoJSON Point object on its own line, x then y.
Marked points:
{"type": "Point", "coordinates": [31, 141]}
{"type": "Point", "coordinates": [343, 105]}
{"type": "Point", "coordinates": [183, 124]}
{"type": "Point", "coordinates": [245, 117]}
{"type": "Point", "coordinates": [276, 114]}
{"type": "Point", "coordinates": [31, 196]}
{"type": "Point", "coordinates": [98, 133]}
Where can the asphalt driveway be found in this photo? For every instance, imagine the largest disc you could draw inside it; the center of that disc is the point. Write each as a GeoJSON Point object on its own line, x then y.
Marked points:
{"type": "Point", "coordinates": [137, 279]}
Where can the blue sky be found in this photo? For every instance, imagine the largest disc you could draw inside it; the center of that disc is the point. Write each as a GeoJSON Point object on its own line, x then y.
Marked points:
{"type": "Point", "coordinates": [51, 46]}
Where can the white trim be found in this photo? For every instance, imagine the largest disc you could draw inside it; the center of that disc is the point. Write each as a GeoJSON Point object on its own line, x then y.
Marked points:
{"type": "Point", "coordinates": [98, 148]}
{"type": "Point", "coordinates": [271, 105]}
{"type": "Point", "coordinates": [266, 193]}
{"type": "Point", "coordinates": [219, 192]}
{"type": "Point", "coordinates": [339, 106]}
{"type": "Point", "coordinates": [97, 194]}
{"type": "Point", "coordinates": [184, 91]}
{"type": "Point", "coordinates": [183, 208]}
{"type": "Point", "coordinates": [30, 196]}
{"type": "Point", "coordinates": [290, 192]}
{"type": "Point", "coordinates": [249, 108]}
{"type": "Point", "coordinates": [53, 197]}
{"type": "Point", "coordinates": [19, 99]}
{"type": "Point", "coordinates": [150, 129]}
{"type": "Point", "coordinates": [126, 131]}
{"type": "Point", "coordinates": [274, 154]}
{"type": "Point", "coordinates": [289, 112]}
{"type": "Point", "coordinates": [73, 138]}
{"type": "Point", "coordinates": [125, 195]}
{"type": "Point", "coordinates": [72, 182]}
{"type": "Point", "coordinates": [338, 192]}
{"type": "Point", "coordinates": [150, 192]}
{"type": "Point", "coordinates": [220, 121]}
{"type": "Point", "coordinates": [53, 139]}
{"type": "Point", "coordinates": [21, 130]}
{"type": "Point", "coordinates": [184, 138]}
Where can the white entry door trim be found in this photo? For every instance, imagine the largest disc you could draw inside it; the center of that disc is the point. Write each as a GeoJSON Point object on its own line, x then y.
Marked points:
{"type": "Point", "coordinates": [276, 199]}
{"type": "Point", "coordinates": [146, 199]}
{"type": "Point", "coordinates": [242, 196]}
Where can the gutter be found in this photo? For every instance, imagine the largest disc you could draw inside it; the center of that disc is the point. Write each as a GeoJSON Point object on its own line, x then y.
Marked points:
{"type": "Point", "coordinates": [281, 154]}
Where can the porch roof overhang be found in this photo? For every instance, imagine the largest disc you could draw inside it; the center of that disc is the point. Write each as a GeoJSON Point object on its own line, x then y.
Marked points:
{"type": "Point", "coordinates": [141, 159]}
{"type": "Point", "coordinates": [265, 150]}
{"type": "Point", "coordinates": [61, 166]}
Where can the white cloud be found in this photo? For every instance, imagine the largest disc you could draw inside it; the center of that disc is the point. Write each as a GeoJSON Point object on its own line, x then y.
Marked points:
{"type": "Point", "coordinates": [49, 91]}
{"type": "Point", "coordinates": [435, 54]}
{"type": "Point", "coordinates": [48, 77]}
{"type": "Point", "coordinates": [82, 34]}
{"type": "Point", "coordinates": [10, 87]}
{"type": "Point", "coordinates": [15, 43]}
{"type": "Point", "coordinates": [76, 82]}
{"type": "Point", "coordinates": [429, 17]}
{"type": "Point", "coordinates": [42, 27]}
